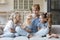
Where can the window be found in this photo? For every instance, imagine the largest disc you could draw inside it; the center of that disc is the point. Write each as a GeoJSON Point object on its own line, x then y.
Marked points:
{"type": "Point", "coordinates": [55, 4]}
{"type": "Point", "coordinates": [22, 4]}
{"type": "Point", "coordinates": [55, 11]}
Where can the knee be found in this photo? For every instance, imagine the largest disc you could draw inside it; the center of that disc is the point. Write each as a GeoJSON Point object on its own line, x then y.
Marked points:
{"type": "Point", "coordinates": [18, 30]}
{"type": "Point", "coordinates": [17, 27]}
{"type": "Point", "coordinates": [16, 34]}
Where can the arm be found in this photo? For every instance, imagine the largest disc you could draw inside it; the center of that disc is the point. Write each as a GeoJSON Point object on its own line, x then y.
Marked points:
{"type": "Point", "coordinates": [39, 28]}
{"type": "Point", "coordinates": [25, 28]}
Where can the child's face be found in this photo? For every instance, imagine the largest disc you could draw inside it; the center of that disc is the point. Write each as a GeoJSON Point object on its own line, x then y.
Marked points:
{"type": "Point", "coordinates": [35, 11]}
{"type": "Point", "coordinates": [29, 20]}
{"type": "Point", "coordinates": [17, 18]}
{"type": "Point", "coordinates": [43, 20]}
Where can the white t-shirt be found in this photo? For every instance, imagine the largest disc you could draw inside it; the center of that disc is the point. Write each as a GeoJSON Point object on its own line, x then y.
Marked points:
{"type": "Point", "coordinates": [9, 25]}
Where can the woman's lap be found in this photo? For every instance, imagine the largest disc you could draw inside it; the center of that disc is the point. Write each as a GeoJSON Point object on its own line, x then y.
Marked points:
{"type": "Point", "coordinates": [42, 32]}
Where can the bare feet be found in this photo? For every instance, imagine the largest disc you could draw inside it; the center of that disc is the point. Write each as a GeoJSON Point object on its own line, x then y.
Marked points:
{"type": "Point", "coordinates": [53, 35]}
{"type": "Point", "coordinates": [29, 36]}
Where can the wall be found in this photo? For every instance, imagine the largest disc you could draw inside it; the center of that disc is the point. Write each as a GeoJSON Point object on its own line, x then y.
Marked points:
{"type": "Point", "coordinates": [8, 6]}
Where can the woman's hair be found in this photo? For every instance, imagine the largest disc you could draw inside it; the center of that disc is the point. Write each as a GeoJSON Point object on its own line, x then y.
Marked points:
{"type": "Point", "coordinates": [36, 6]}
{"type": "Point", "coordinates": [13, 15]}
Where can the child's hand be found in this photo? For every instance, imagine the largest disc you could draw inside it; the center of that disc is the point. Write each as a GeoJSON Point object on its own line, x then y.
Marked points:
{"type": "Point", "coordinates": [28, 30]}
{"type": "Point", "coordinates": [12, 30]}
{"type": "Point", "coordinates": [30, 35]}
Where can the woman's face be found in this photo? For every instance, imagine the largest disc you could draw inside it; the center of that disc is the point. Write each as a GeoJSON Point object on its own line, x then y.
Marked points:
{"type": "Point", "coordinates": [35, 11]}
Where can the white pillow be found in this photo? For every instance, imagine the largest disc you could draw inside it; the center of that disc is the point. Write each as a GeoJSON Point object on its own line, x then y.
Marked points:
{"type": "Point", "coordinates": [21, 38]}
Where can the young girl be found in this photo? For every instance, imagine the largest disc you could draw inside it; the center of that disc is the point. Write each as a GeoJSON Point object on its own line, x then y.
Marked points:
{"type": "Point", "coordinates": [42, 26]}
{"type": "Point", "coordinates": [13, 27]}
